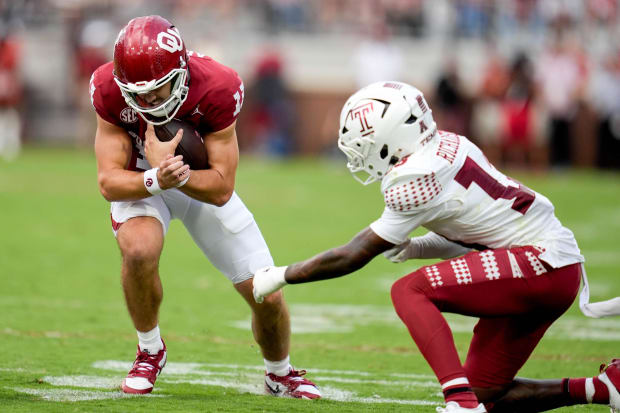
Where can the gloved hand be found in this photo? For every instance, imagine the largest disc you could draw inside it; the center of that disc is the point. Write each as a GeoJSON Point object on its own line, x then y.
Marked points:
{"type": "Point", "coordinates": [403, 252]}
{"type": "Point", "coordinates": [268, 280]}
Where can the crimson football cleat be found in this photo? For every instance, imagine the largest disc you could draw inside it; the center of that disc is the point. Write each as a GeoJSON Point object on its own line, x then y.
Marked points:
{"type": "Point", "coordinates": [453, 407]}
{"type": "Point", "coordinates": [610, 375]}
{"type": "Point", "coordinates": [146, 368]}
{"type": "Point", "coordinates": [292, 385]}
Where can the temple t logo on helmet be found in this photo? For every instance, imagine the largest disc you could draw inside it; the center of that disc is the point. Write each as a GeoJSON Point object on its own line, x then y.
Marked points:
{"type": "Point", "coordinates": [380, 124]}
{"type": "Point", "coordinates": [149, 53]}
{"type": "Point", "coordinates": [360, 113]}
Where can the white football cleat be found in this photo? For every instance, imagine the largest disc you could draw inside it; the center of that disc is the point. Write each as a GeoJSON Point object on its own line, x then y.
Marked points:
{"type": "Point", "coordinates": [453, 407]}
{"type": "Point", "coordinates": [610, 375]}
{"type": "Point", "coordinates": [292, 385]}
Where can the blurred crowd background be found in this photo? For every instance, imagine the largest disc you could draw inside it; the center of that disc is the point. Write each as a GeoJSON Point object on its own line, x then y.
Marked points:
{"type": "Point", "coordinates": [536, 83]}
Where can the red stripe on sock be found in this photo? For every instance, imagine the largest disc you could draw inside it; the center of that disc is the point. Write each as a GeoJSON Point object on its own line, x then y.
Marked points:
{"type": "Point", "coordinates": [466, 399]}
{"type": "Point", "coordinates": [601, 392]}
{"type": "Point", "coordinates": [577, 391]}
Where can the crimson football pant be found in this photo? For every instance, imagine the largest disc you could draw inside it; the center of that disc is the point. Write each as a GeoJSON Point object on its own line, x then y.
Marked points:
{"type": "Point", "coordinates": [516, 295]}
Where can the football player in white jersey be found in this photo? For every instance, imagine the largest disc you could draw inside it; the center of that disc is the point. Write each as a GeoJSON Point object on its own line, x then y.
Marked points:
{"type": "Point", "coordinates": [516, 268]}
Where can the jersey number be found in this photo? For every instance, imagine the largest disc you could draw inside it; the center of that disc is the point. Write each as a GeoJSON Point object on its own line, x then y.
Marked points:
{"type": "Point", "coordinates": [472, 172]}
{"type": "Point", "coordinates": [238, 100]}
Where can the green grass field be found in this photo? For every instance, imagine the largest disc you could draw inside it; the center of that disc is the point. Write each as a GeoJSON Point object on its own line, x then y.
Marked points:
{"type": "Point", "coordinates": [66, 340]}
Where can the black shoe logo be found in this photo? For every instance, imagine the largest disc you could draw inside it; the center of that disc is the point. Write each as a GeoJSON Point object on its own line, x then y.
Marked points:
{"type": "Point", "coordinates": [274, 391]}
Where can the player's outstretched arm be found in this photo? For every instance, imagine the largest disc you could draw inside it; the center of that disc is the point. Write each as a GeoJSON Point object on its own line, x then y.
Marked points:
{"type": "Point", "coordinates": [113, 152]}
{"type": "Point", "coordinates": [216, 184]}
{"type": "Point", "coordinates": [333, 263]}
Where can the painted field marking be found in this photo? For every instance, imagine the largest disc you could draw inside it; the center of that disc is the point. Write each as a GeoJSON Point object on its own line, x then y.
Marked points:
{"type": "Point", "coordinates": [94, 382]}
{"type": "Point", "coordinates": [242, 378]}
{"type": "Point", "coordinates": [71, 395]}
{"type": "Point", "coordinates": [334, 318]}
{"type": "Point", "coordinates": [249, 379]}
{"type": "Point", "coordinates": [323, 371]}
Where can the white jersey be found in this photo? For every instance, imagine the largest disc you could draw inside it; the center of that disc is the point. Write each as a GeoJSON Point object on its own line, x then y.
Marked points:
{"type": "Point", "coordinates": [450, 188]}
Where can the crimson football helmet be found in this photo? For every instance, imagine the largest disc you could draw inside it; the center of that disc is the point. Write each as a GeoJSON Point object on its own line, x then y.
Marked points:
{"type": "Point", "coordinates": [149, 52]}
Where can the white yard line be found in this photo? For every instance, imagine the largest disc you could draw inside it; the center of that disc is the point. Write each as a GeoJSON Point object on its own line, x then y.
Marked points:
{"type": "Point", "coordinates": [70, 395]}
{"type": "Point", "coordinates": [94, 382]}
{"type": "Point", "coordinates": [333, 318]}
{"type": "Point", "coordinates": [242, 378]}
{"type": "Point", "coordinates": [203, 369]}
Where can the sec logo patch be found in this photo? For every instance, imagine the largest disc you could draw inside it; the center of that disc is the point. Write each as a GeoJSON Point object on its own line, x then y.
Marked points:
{"type": "Point", "coordinates": [128, 115]}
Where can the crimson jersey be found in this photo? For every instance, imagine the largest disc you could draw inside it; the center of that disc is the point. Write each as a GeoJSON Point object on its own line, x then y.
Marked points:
{"type": "Point", "coordinates": [213, 102]}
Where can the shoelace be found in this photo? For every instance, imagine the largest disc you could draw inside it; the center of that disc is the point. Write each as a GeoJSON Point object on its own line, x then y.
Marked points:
{"type": "Point", "coordinates": [145, 365]}
{"type": "Point", "coordinates": [297, 379]}
{"type": "Point", "coordinates": [604, 367]}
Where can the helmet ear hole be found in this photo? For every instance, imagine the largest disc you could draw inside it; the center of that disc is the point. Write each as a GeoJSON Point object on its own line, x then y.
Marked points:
{"type": "Point", "coordinates": [412, 119]}
{"type": "Point", "coordinates": [394, 160]}
{"type": "Point", "coordinates": [384, 151]}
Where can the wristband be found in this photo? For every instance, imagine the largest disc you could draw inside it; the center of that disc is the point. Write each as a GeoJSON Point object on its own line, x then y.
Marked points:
{"type": "Point", "coordinates": [150, 181]}
{"type": "Point", "coordinates": [183, 182]}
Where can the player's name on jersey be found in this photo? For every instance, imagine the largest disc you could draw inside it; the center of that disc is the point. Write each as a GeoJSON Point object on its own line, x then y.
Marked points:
{"type": "Point", "coordinates": [448, 146]}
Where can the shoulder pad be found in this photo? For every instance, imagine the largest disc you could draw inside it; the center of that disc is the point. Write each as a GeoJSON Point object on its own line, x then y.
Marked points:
{"type": "Point", "coordinates": [411, 191]}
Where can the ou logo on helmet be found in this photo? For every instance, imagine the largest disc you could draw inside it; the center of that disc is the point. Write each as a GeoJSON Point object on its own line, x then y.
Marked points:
{"type": "Point", "coordinates": [170, 40]}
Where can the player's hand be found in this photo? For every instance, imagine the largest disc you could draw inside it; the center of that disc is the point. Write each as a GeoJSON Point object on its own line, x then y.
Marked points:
{"type": "Point", "coordinates": [268, 280]}
{"type": "Point", "coordinates": [403, 252]}
{"type": "Point", "coordinates": [172, 172]}
{"type": "Point", "coordinates": [157, 150]}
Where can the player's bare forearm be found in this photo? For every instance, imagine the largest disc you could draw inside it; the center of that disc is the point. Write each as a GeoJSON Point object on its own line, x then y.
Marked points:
{"type": "Point", "coordinates": [216, 184]}
{"type": "Point", "coordinates": [339, 261]}
{"type": "Point", "coordinates": [210, 186]}
{"type": "Point", "coordinates": [122, 185]}
{"type": "Point", "coordinates": [113, 152]}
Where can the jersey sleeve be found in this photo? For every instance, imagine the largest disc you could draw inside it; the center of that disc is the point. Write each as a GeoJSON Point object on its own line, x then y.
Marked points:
{"type": "Point", "coordinates": [411, 193]}
{"type": "Point", "coordinates": [408, 205]}
{"type": "Point", "coordinates": [97, 96]}
{"type": "Point", "coordinates": [223, 103]}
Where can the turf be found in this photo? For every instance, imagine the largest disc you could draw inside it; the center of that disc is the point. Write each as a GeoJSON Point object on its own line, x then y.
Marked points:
{"type": "Point", "coordinates": [66, 339]}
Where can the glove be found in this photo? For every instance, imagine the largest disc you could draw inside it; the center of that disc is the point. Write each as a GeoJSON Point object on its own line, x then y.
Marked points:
{"type": "Point", "coordinates": [268, 280]}
{"type": "Point", "coordinates": [403, 252]}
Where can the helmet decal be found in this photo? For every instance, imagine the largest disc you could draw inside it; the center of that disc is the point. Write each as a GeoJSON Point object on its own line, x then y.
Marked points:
{"type": "Point", "coordinates": [170, 40]}
{"type": "Point", "coordinates": [360, 113]}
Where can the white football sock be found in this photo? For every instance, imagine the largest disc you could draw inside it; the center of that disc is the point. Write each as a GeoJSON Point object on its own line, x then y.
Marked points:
{"type": "Point", "coordinates": [279, 368]}
{"type": "Point", "coordinates": [150, 341]}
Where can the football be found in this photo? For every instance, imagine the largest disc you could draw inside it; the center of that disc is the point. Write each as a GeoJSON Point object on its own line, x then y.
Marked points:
{"type": "Point", "coordinates": [192, 146]}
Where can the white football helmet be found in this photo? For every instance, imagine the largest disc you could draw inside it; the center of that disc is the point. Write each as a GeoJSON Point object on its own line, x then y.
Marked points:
{"type": "Point", "coordinates": [380, 124]}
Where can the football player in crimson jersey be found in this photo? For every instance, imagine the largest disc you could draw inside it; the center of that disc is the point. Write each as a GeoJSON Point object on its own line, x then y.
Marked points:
{"type": "Point", "coordinates": [517, 268]}
{"type": "Point", "coordinates": [152, 80]}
